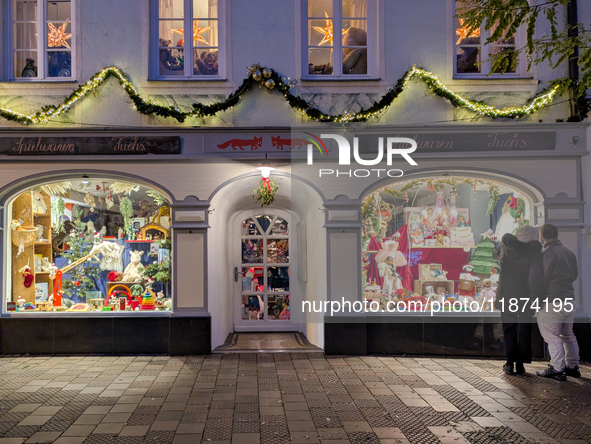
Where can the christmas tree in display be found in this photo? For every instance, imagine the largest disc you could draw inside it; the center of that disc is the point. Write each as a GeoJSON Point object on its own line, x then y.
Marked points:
{"type": "Point", "coordinates": [483, 260]}
{"type": "Point", "coordinates": [147, 302]}
{"type": "Point", "coordinates": [85, 274]}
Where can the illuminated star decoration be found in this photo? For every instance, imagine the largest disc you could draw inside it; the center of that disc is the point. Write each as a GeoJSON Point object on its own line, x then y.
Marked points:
{"type": "Point", "coordinates": [463, 32]}
{"type": "Point", "coordinates": [327, 31]}
{"type": "Point", "coordinates": [197, 31]}
{"type": "Point", "coordinates": [56, 38]}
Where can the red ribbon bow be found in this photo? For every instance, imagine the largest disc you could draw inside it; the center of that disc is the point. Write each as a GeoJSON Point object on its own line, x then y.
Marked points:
{"type": "Point", "coordinates": [268, 182]}
{"type": "Point", "coordinates": [513, 203]}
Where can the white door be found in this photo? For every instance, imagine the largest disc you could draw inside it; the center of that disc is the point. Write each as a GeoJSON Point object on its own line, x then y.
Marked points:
{"type": "Point", "coordinates": [264, 254]}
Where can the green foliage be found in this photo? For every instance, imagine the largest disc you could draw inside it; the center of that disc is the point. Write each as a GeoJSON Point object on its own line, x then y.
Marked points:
{"type": "Point", "coordinates": [265, 192]}
{"type": "Point", "coordinates": [493, 192]}
{"type": "Point", "coordinates": [126, 209]}
{"type": "Point", "coordinates": [555, 47]}
{"type": "Point", "coordinates": [59, 208]}
{"type": "Point", "coordinates": [159, 199]}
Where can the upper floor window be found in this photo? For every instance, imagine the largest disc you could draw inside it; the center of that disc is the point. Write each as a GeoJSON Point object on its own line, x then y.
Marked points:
{"type": "Point", "coordinates": [340, 38]}
{"type": "Point", "coordinates": [198, 56]}
{"type": "Point", "coordinates": [42, 39]}
{"type": "Point", "coordinates": [473, 55]}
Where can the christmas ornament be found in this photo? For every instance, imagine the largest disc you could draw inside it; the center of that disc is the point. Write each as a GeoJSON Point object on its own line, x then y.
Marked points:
{"type": "Point", "coordinates": [327, 31]}
{"type": "Point", "coordinates": [197, 31]}
{"type": "Point", "coordinates": [56, 38]}
{"type": "Point", "coordinates": [267, 73]}
{"type": "Point", "coordinates": [463, 32]}
{"type": "Point", "coordinates": [28, 277]}
{"type": "Point", "coordinates": [270, 84]}
{"type": "Point", "coordinates": [257, 75]}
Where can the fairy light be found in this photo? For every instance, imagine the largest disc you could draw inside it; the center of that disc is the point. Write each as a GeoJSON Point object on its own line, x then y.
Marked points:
{"type": "Point", "coordinates": [141, 105]}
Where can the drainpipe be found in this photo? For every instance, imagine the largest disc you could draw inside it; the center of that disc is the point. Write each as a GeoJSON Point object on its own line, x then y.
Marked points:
{"type": "Point", "coordinates": [572, 18]}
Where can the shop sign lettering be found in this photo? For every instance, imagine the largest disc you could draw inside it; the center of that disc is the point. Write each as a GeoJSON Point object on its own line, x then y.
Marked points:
{"type": "Point", "coordinates": [114, 145]}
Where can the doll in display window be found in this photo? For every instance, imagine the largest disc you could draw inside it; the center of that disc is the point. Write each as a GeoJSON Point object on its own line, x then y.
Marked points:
{"type": "Point", "coordinates": [416, 233]}
{"type": "Point", "coordinates": [392, 280]}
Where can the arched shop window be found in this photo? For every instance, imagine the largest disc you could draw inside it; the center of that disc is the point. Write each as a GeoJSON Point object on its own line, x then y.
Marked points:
{"type": "Point", "coordinates": [89, 245]}
{"type": "Point", "coordinates": [432, 241]}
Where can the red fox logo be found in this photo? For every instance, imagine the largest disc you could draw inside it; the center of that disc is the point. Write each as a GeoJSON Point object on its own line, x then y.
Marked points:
{"type": "Point", "coordinates": [254, 143]}
{"type": "Point", "coordinates": [279, 143]}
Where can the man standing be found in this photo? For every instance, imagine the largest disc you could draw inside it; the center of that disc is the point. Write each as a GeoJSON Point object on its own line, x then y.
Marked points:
{"type": "Point", "coordinates": [555, 319]}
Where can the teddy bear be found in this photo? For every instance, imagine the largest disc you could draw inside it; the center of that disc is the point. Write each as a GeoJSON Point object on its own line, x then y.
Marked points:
{"type": "Point", "coordinates": [355, 59]}
{"type": "Point", "coordinates": [207, 63]}
{"type": "Point", "coordinates": [167, 61]}
{"type": "Point", "coordinates": [135, 270]}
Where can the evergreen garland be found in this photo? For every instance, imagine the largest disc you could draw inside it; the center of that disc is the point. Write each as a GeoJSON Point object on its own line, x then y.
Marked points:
{"type": "Point", "coordinates": [270, 79]}
{"type": "Point", "coordinates": [126, 210]}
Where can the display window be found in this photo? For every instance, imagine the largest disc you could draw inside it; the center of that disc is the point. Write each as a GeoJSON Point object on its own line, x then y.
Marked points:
{"type": "Point", "coordinates": [89, 245]}
{"type": "Point", "coordinates": [432, 241]}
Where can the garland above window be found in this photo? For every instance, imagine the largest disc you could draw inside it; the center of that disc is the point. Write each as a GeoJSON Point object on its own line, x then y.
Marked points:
{"type": "Point", "coordinates": [270, 79]}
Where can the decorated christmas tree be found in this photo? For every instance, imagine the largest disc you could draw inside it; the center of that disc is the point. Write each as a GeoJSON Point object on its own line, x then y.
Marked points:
{"type": "Point", "coordinates": [82, 278]}
{"type": "Point", "coordinates": [483, 260]}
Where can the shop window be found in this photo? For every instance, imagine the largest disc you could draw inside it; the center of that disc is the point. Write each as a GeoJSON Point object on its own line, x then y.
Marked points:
{"type": "Point", "coordinates": [340, 39]}
{"type": "Point", "coordinates": [89, 245]}
{"type": "Point", "coordinates": [473, 56]}
{"type": "Point", "coordinates": [432, 240]}
{"type": "Point", "coordinates": [175, 56]}
{"type": "Point", "coordinates": [42, 39]}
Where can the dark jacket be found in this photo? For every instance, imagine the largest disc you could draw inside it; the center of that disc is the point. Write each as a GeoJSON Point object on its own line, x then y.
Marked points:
{"type": "Point", "coordinates": [560, 270]}
{"type": "Point", "coordinates": [521, 271]}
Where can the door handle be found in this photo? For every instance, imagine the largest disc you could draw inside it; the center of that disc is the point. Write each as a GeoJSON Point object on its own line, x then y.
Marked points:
{"type": "Point", "coordinates": [235, 274]}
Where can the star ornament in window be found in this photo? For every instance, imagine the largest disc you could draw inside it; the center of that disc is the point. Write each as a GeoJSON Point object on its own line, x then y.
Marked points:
{"type": "Point", "coordinates": [327, 31]}
{"type": "Point", "coordinates": [56, 38]}
{"type": "Point", "coordinates": [197, 31]}
{"type": "Point", "coordinates": [463, 32]}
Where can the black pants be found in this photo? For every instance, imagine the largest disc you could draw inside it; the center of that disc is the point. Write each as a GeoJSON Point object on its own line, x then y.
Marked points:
{"type": "Point", "coordinates": [517, 335]}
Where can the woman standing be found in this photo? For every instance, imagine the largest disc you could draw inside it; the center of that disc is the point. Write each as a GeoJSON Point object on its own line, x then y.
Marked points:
{"type": "Point", "coordinates": [521, 276]}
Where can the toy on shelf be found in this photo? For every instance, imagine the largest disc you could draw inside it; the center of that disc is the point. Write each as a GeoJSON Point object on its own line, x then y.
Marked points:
{"type": "Point", "coordinates": [147, 301]}
{"type": "Point", "coordinates": [134, 270]}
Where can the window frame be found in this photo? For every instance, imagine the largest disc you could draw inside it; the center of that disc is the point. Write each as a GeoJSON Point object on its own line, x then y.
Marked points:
{"type": "Point", "coordinates": [372, 44]}
{"type": "Point", "coordinates": [42, 50]}
{"type": "Point", "coordinates": [154, 72]}
{"type": "Point", "coordinates": [485, 48]}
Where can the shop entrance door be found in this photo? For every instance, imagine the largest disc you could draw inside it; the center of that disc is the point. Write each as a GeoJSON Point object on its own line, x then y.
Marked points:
{"type": "Point", "coordinates": [264, 256]}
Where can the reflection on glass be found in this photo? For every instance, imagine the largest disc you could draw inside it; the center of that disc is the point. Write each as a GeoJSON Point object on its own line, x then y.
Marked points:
{"type": "Point", "coordinates": [25, 35]}
{"type": "Point", "coordinates": [278, 307]}
{"type": "Point", "coordinates": [25, 10]}
{"type": "Point", "coordinates": [278, 251]}
{"type": "Point", "coordinates": [171, 8]}
{"type": "Point", "coordinates": [59, 64]}
{"type": "Point", "coordinates": [320, 61]}
{"type": "Point", "coordinates": [318, 8]}
{"type": "Point", "coordinates": [25, 64]}
{"type": "Point", "coordinates": [496, 51]}
{"type": "Point", "coordinates": [253, 308]}
{"type": "Point", "coordinates": [249, 228]}
{"type": "Point", "coordinates": [280, 227]}
{"type": "Point", "coordinates": [278, 278]}
{"type": "Point", "coordinates": [253, 279]}
{"type": "Point", "coordinates": [354, 8]}
{"type": "Point", "coordinates": [468, 59]}
{"type": "Point", "coordinates": [206, 62]}
{"type": "Point", "coordinates": [171, 62]}
{"type": "Point", "coordinates": [252, 251]}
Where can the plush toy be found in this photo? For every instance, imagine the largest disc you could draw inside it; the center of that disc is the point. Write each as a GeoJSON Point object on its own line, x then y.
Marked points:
{"type": "Point", "coordinates": [207, 63]}
{"type": "Point", "coordinates": [40, 229]}
{"type": "Point", "coordinates": [166, 58]}
{"type": "Point", "coordinates": [135, 270]}
{"type": "Point", "coordinates": [45, 264]}
{"type": "Point", "coordinates": [487, 295]}
{"type": "Point", "coordinates": [39, 205]}
{"type": "Point", "coordinates": [113, 276]}
{"type": "Point", "coordinates": [355, 59]}
{"type": "Point", "coordinates": [30, 69]}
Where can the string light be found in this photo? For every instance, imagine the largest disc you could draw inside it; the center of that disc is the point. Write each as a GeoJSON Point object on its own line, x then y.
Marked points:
{"type": "Point", "coordinates": [200, 110]}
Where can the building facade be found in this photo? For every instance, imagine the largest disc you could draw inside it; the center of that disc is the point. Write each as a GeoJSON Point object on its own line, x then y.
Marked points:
{"type": "Point", "coordinates": [142, 173]}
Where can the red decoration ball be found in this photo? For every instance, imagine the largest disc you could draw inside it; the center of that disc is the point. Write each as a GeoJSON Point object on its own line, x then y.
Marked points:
{"type": "Point", "coordinates": [77, 283]}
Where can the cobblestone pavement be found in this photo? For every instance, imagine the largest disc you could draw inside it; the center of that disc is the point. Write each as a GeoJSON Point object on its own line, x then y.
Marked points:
{"type": "Point", "coordinates": [284, 398]}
